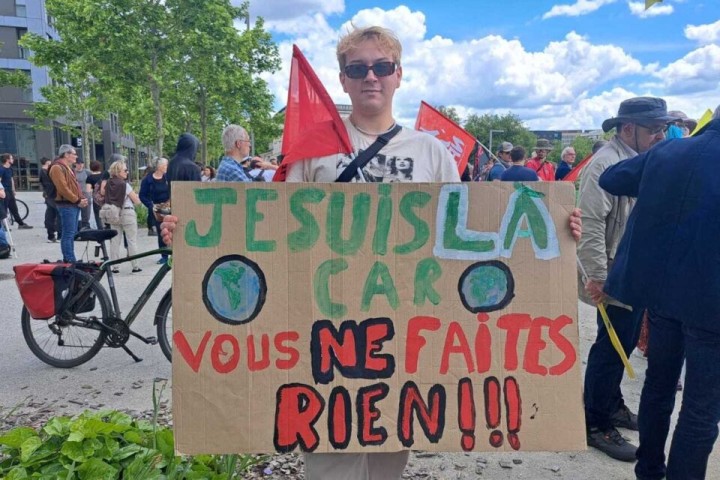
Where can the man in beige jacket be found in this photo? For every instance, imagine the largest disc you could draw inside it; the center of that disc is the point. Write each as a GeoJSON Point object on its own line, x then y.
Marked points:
{"type": "Point", "coordinates": [639, 125]}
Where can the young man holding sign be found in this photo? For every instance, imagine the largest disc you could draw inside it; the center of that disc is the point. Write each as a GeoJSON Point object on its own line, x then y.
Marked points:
{"type": "Point", "coordinates": [370, 72]}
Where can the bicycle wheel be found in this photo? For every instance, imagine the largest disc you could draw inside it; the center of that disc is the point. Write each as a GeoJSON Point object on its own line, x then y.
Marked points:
{"type": "Point", "coordinates": [163, 320]}
{"type": "Point", "coordinates": [69, 339]}
{"type": "Point", "coordinates": [22, 207]}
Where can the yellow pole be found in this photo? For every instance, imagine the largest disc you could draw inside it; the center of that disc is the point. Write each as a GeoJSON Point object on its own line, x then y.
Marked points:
{"type": "Point", "coordinates": [614, 339]}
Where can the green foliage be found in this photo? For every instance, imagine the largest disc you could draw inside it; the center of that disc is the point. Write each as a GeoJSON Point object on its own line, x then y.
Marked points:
{"type": "Point", "coordinates": [165, 66]}
{"type": "Point", "coordinates": [583, 147]}
{"type": "Point", "coordinates": [14, 78]}
{"type": "Point", "coordinates": [514, 132]}
{"type": "Point", "coordinates": [450, 113]}
{"type": "Point", "coordinates": [108, 445]}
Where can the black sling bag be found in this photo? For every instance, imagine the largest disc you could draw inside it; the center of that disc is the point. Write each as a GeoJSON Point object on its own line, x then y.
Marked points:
{"type": "Point", "coordinates": [361, 160]}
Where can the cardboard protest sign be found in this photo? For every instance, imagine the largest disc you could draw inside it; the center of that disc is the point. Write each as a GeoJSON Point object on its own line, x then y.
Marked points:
{"type": "Point", "coordinates": [375, 317]}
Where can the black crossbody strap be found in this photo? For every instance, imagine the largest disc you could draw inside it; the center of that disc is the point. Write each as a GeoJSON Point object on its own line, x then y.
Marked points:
{"type": "Point", "coordinates": [361, 160]}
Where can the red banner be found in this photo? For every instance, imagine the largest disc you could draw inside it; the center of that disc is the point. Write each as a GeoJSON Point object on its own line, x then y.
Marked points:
{"type": "Point", "coordinates": [458, 142]}
{"type": "Point", "coordinates": [575, 172]}
{"type": "Point", "coordinates": [313, 127]}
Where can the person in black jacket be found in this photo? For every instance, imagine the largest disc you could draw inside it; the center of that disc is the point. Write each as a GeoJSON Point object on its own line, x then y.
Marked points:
{"type": "Point", "coordinates": [52, 219]}
{"type": "Point", "coordinates": [182, 166]}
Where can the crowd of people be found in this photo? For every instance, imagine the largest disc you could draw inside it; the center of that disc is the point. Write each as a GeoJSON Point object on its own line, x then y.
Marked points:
{"type": "Point", "coordinates": [645, 230]}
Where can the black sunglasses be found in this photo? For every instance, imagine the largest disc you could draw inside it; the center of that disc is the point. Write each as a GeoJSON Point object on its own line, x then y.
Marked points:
{"type": "Point", "coordinates": [358, 71]}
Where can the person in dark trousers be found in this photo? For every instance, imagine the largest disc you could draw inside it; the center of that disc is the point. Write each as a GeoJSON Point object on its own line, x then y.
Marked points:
{"type": "Point", "coordinates": [519, 172]}
{"type": "Point", "coordinates": [150, 222]}
{"type": "Point", "coordinates": [52, 218]}
{"type": "Point", "coordinates": [6, 177]}
{"type": "Point", "coordinates": [154, 190]}
{"type": "Point", "coordinates": [95, 178]}
{"type": "Point", "coordinates": [667, 262]}
{"type": "Point", "coordinates": [639, 125]}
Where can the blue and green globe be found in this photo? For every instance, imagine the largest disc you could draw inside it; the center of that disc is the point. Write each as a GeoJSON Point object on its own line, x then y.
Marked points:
{"type": "Point", "coordinates": [234, 289]}
{"type": "Point", "coordinates": [486, 286]}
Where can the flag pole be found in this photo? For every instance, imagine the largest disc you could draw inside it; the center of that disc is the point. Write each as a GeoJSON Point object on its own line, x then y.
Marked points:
{"type": "Point", "coordinates": [614, 339]}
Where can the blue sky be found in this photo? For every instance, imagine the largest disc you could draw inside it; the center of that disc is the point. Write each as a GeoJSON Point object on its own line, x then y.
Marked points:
{"type": "Point", "coordinates": [557, 64]}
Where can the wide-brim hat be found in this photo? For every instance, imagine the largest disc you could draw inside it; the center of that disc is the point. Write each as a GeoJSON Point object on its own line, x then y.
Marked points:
{"type": "Point", "coordinates": [640, 110]}
{"type": "Point", "coordinates": [543, 144]}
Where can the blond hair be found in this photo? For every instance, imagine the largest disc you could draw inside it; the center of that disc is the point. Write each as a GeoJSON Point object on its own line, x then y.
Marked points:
{"type": "Point", "coordinates": [116, 168]}
{"type": "Point", "coordinates": [386, 39]}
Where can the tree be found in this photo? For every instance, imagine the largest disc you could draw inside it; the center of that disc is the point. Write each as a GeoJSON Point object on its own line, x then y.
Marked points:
{"type": "Point", "coordinates": [450, 113]}
{"type": "Point", "coordinates": [513, 130]}
{"type": "Point", "coordinates": [74, 94]}
{"type": "Point", "coordinates": [583, 146]}
{"type": "Point", "coordinates": [219, 62]}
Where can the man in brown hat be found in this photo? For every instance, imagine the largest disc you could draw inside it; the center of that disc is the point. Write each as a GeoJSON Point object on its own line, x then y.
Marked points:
{"type": "Point", "coordinates": [544, 169]}
{"type": "Point", "coordinates": [639, 125]}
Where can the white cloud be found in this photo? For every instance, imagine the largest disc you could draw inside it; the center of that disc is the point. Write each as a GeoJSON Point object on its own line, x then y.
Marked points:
{"type": "Point", "coordinates": [638, 9]}
{"type": "Point", "coordinates": [580, 7]}
{"type": "Point", "coordinates": [287, 9]}
{"type": "Point", "coordinates": [704, 34]}
{"type": "Point", "coordinates": [696, 72]}
{"type": "Point", "coordinates": [570, 83]}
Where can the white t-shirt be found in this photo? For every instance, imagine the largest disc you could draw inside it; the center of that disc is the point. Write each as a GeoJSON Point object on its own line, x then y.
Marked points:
{"type": "Point", "coordinates": [127, 203]}
{"type": "Point", "coordinates": [410, 156]}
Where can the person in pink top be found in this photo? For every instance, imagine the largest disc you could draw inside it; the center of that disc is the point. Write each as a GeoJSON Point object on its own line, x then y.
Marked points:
{"type": "Point", "coordinates": [544, 169]}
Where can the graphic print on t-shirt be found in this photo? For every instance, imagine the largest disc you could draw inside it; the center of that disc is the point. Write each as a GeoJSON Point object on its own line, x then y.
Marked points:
{"type": "Point", "coordinates": [381, 168]}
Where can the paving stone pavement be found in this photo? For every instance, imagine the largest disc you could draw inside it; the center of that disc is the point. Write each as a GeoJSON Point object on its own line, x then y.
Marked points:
{"type": "Point", "coordinates": [31, 390]}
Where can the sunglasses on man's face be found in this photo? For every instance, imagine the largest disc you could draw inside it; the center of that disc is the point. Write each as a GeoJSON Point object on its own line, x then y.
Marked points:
{"type": "Point", "coordinates": [359, 71]}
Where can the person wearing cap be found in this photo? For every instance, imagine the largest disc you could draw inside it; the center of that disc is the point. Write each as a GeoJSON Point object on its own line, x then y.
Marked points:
{"type": "Point", "coordinates": [639, 124]}
{"type": "Point", "coordinates": [498, 164]}
{"type": "Point", "coordinates": [69, 198]}
{"type": "Point", "coordinates": [504, 154]}
{"type": "Point", "coordinates": [539, 163]}
{"type": "Point", "coordinates": [567, 159]}
{"type": "Point", "coordinates": [667, 262]}
{"type": "Point", "coordinates": [81, 175]}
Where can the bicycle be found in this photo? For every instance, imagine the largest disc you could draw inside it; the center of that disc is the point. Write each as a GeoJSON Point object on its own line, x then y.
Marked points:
{"type": "Point", "coordinates": [23, 211]}
{"type": "Point", "coordinates": [83, 326]}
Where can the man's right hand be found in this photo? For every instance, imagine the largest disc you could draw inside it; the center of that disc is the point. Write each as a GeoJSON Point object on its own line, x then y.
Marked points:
{"type": "Point", "coordinates": [83, 203]}
{"type": "Point", "coordinates": [167, 227]}
{"type": "Point", "coordinates": [594, 288]}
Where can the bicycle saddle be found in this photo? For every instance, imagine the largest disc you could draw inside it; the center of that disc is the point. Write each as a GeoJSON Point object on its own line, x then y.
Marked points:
{"type": "Point", "coordinates": [95, 235]}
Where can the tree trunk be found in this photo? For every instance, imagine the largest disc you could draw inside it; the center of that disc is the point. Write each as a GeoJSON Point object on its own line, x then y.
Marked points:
{"type": "Point", "coordinates": [203, 124]}
{"type": "Point", "coordinates": [85, 134]}
{"type": "Point", "coordinates": [155, 92]}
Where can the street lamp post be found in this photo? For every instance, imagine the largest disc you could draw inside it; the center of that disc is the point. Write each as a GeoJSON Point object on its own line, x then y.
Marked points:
{"type": "Point", "coordinates": [491, 134]}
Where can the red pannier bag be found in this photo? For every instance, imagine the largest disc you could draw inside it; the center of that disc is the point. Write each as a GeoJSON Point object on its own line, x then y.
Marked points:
{"type": "Point", "coordinates": [45, 286]}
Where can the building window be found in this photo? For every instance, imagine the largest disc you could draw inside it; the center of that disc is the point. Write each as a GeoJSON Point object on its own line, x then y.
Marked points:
{"type": "Point", "coordinates": [23, 53]}
{"type": "Point", "coordinates": [20, 10]}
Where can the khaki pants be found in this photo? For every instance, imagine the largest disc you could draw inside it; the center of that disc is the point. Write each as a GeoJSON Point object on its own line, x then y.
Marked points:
{"type": "Point", "coordinates": [355, 466]}
{"type": "Point", "coordinates": [128, 225]}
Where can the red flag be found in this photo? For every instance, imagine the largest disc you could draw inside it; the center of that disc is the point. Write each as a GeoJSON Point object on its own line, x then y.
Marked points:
{"type": "Point", "coordinates": [458, 142]}
{"type": "Point", "coordinates": [313, 127]}
{"type": "Point", "coordinates": [575, 172]}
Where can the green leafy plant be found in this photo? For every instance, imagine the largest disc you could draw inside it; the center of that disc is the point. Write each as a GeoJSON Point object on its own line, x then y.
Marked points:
{"type": "Point", "coordinates": [109, 444]}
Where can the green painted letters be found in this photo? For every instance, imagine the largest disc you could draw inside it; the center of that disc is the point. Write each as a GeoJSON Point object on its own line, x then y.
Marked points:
{"type": "Point", "coordinates": [216, 197]}
{"type": "Point", "coordinates": [451, 240]}
{"type": "Point", "coordinates": [422, 232]}
{"type": "Point", "coordinates": [382, 222]}
{"type": "Point", "coordinates": [385, 287]}
{"type": "Point", "coordinates": [427, 272]}
{"type": "Point", "coordinates": [321, 286]}
{"type": "Point", "coordinates": [305, 237]}
{"type": "Point", "coordinates": [335, 222]}
{"type": "Point", "coordinates": [252, 217]}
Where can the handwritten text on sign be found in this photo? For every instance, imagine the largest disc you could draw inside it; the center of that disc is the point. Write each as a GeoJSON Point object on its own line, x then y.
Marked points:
{"type": "Point", "coordinates": [375, 317]}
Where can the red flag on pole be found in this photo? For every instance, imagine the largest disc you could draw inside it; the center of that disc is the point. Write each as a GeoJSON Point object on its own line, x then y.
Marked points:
{"type": "Point", "coordinates": [458, 142]}
{"type": "Point", "coordinates": [575, 172]}
{"type": "Point", "coordinates": [313, 127]}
